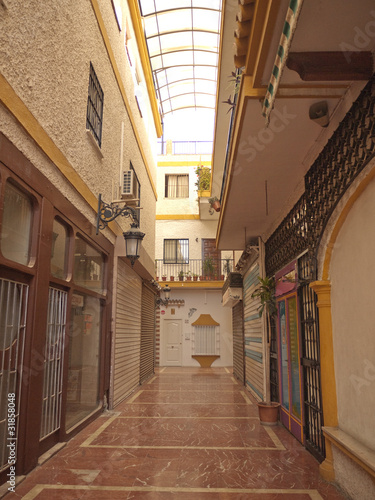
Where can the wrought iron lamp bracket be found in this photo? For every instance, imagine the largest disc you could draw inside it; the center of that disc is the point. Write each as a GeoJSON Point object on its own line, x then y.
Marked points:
{"type": "Point", "coordinates": [107, 212]}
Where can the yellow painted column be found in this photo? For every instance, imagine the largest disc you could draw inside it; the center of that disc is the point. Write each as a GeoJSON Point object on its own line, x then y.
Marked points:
{"type": "Point", "coordinates": [327, 370]}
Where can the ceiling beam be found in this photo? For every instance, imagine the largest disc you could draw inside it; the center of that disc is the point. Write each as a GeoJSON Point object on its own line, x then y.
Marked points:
{"type": "Point", "coordinates": [331, 66]}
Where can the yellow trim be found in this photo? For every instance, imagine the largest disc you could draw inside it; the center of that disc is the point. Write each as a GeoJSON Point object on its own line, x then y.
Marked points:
{"type": "Point", "coordinates": [177, 217]}
{"type": "Point", "coordinates": [145, 61]}
{"type": "Point", "coordinates": [265, 16]}
{"type": "Point", "coordinates": [327, 369]}
{"type": "Point", "coordinates": [194, 284]}
{"type": "Point", "coordinates": [27, 120]}
{"type": "Point", "coordinates": [121, 87]}
{"type": "Point", "coordinates": [183, 163]}
{"type": "Point", "coordinates": [359, 453]}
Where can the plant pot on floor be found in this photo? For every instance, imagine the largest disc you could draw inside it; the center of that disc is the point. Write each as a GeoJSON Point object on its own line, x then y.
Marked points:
{"type": "Point", "coordinates": [268, 412]}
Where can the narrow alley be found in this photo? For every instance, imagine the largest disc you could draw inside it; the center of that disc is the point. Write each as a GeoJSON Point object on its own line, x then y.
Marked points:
{"type": "Point", "coordinates": [190, 432]}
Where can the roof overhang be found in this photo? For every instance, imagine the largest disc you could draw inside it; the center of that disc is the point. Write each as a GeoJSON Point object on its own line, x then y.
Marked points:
{"type": "Point", "coordinates": [266, 162]}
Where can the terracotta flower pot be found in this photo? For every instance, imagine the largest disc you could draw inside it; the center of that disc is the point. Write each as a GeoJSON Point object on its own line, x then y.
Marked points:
{"type": "Point", "coordinates": [164, 278]}
{"type": "Point", "coordinates": [216, 206]}
{"type": "Point", "coordinates": [268, 412]}
{"type": "Point", "coordinates": [171, 278]}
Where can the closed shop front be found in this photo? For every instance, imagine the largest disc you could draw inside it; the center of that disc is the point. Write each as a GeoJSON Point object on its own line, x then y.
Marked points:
{"type": "Point", "coordinates": [127, 341]}
{"type": "Point", "coordinates": [54, 324]}
{"type": "Point", "coordinates": [254, 358]}
{"type": "Point", "coordinates": [147, 333]}
{"type": "Point", "coordinates": [238, 342]}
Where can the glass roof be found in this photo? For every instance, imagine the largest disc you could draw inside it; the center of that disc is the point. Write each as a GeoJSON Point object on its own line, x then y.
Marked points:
{"type": "Point", "coordinates": [183, 39]}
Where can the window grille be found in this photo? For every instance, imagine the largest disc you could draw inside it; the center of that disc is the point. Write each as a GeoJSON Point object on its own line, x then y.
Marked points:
{"type": "Point", "coordinates": [13, 306]}
{"type": "Point", "coordinates": [53, 362]}
{"type": "Point", "coordinates": [176, 251]}
{"type": "Point", "coordinates": [177, 186]}
{"type": "Point", "coordinates": [206, 340]}
{"type": "Point", "coordinates": [94, 119]}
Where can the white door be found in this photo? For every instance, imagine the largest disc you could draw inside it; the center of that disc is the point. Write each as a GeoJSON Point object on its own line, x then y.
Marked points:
{"type": "Point", "coordinates": [173, 342]}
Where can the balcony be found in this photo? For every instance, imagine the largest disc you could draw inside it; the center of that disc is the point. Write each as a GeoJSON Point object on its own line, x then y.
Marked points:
{"type": "Point", "coordinates": [184, 147]}
{"type": "Point", "coordinates": [194, 270]}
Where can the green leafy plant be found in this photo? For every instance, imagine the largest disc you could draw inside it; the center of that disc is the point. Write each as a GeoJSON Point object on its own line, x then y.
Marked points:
{"type": "Point", "coordinates": [208, 266]}
{"type": "Point", "coordinates": [227, 267]}
{"type": "Point", "coordinates": [266, 293]}
{"type": "Point", "coordinates": [203, 181]}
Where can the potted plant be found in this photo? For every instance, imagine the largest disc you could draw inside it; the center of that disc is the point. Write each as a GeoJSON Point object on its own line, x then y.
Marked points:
{"type": "Point", "coordinates": [171, 278]}
{"type": "Point", "coordinates": [268, 410]}
{"type": "Point", "coordinates": [195, 277]}
{"type": "Point", "coordinates": [188, 276]}
{"type": "Point", "coordinates": [215, 203]}
{"type": "Point", "coordinates": [208, 267]}
{"type": "Point", "coordinates": [227, 265]}
{"type": "Point", "coordinates": [181, 275]}
{"type": "Point", "coordinates": [164, 277]}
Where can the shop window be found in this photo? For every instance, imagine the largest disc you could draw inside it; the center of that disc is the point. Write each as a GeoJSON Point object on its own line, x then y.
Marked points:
{"type": "Point", "coordinates": [95, 100]}
{"type": "Point", "coordinates": [177, 186]}
{"type": "Point", "coordinates": [59, 250]}
{"type": "Point", "coordinates": [84, 359]}
{"type": "Point", "coordinates": [16, 225]}
{"type": "Point", "coordinates": [88, 266]}
{"type": "Point", "coordinates": [176, 251]}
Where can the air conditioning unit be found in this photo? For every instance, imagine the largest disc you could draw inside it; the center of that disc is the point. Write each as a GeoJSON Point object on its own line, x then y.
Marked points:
{"type": "Point", "coordinates": [127, 188]}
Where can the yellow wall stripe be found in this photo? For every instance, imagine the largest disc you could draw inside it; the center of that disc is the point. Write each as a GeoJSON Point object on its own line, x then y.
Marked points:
{"type": "Point", "coordinates": [27, 120]}
{"type": "Point", "coordinates": [143, 54]}
{"type": "Point", "coordinates": [178, 217]}
{"type": "Point", "coordinates": [120, 84]}
{"type": "Point", "coordinates": [183, 163]}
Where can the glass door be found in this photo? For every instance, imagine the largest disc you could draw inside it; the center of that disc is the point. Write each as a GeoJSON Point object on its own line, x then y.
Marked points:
{"type": "Point", "coordinates": [289, 364]}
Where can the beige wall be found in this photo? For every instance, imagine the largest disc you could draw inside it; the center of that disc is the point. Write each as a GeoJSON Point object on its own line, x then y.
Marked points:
{"type": "Point", "coordinates": [198, 302]}
{"type": "Point", "coordinates": [353, 278]}
{"type": "Point", "coordinates": [45, 54]}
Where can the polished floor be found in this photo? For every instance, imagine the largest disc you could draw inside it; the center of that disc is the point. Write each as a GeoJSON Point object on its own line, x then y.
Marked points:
{"type": "Point", "coordinates": [188, 433]}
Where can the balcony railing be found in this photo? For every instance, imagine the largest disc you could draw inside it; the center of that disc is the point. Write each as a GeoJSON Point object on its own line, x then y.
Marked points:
{"type": "Point", "coordinates": [193, 270]}
{"type": "Point", "coordinates": [185, 148]}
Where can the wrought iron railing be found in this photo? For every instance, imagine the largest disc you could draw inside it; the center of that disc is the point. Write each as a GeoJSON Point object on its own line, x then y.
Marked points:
{"type": "Point", "coordinates": [186, 147]}
{"type": "Point", "coordinates": [345, 155]}
{"type": "Point", "coordinates": [193, 270]}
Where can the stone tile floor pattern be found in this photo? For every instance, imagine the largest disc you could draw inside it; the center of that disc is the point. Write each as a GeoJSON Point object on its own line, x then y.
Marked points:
{"type": "Point", "coordinates": [188, 433]}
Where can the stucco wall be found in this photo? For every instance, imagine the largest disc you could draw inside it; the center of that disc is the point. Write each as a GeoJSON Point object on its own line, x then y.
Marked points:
{"type": "Point", "coordinates": [204, 302]}
{"type": "Point", "coordinates": [45, 54]}
{"type": "Point", "coordinates": [167, 205]}
{"type": "Point", "coordinates": [352, 278]}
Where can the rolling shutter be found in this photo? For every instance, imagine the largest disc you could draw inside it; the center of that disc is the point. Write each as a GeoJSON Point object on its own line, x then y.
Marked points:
{"type": "Point", "coordinates": [254, 362]}
{"type": "Point", "coordinates": [147, 334]}
{"type": "Point", "coordinates": [238, 342]}
{"type": "Point", "coordinates": [127, 344]}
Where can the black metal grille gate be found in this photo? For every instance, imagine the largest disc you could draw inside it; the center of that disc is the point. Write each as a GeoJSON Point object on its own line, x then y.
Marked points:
{"type": "Point", "coordinates": [310, 361]}
{"type": "Point", "coordinates": [347, 152]}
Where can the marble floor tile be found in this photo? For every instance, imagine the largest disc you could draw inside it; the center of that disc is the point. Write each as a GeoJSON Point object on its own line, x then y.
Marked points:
{"type": "Point", "coordinates": [187, 433]}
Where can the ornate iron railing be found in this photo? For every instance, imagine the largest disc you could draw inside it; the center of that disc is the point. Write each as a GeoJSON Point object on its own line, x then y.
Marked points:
{"type": "Point", "coordinates": [193, 269]}
{"type": "Point", "coordinates": [289, 239]}
{"type": "Point", "coordinates": [345, 155]}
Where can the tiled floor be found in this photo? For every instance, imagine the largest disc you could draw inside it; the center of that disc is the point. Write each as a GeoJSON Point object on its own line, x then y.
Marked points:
{"type": "Point", "coordinates": [188, 433]}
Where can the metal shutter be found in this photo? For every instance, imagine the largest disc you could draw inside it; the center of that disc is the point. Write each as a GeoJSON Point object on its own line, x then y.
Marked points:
{"type": "Point", "coordinates": [127, 344]}
{"type": "Point", "coordinates": [254, 362]}
{"type": "Point", "coordinates": [238, 342]}
{"type": "Point", "coordinates": [147, 334]}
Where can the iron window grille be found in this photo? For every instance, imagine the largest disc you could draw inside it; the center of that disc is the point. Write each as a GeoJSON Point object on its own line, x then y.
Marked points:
{"type": "Point", "coordinates": [176, 252]}
{"type": "Point", "coordinates": [95, 100]}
